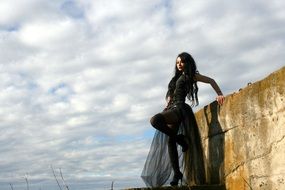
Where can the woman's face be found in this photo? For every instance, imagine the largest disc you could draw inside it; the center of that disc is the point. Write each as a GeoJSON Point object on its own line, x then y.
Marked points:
{"type": "Point", "coordinates": [179, 64]}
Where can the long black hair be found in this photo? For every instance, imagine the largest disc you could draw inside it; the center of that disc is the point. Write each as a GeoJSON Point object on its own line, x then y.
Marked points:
{"type": "Point", "coordinates": [190, 69]}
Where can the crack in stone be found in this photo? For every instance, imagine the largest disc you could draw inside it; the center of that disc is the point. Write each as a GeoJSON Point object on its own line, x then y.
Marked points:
{"type": "Point", "coordinates": [219, 133]}
{"type": "Point", "coordinates": [266, 176]}
{"type": "Point", "coordinates": [256, 157]}
{"type": "Point", "coordinates": [246, 182]}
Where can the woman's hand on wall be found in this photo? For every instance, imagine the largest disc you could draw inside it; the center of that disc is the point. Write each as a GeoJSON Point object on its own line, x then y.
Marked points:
{"type": "Point", "coordinates": [220, 99]}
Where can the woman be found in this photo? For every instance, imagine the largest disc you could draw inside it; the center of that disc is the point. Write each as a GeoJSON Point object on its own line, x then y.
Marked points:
{"type": "Point", "coordinates": [177, 124]}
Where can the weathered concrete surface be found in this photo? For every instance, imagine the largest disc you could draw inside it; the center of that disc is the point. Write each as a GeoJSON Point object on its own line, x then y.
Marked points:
{"type": "Point", "coordinates": [244, 140]}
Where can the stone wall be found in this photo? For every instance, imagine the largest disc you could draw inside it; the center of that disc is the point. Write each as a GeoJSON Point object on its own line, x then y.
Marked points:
{"type": "Point", "coordinates": [244, 140]}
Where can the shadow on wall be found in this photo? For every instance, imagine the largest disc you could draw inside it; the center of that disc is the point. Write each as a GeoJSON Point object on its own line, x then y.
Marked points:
{"type": "Point", "coordinates": [216, 140]}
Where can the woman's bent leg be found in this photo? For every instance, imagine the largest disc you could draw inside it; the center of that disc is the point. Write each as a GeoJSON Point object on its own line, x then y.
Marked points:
{"type": "Point", "coordinates": [163, 120]}
{"type": "Point", "coordinates": [168, 122]}
{"type": "Point", "coordinates": [158, 121]}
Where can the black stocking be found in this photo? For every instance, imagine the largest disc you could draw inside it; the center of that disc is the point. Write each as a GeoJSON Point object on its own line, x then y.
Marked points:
{"type": "Point", "coordinates": [158, 122]}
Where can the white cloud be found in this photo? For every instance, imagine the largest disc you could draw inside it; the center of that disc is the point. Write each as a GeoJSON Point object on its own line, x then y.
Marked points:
{"type": "Point", "coordinates": [51, 34]}
{"type": "Point", "coordinates": [16, 12]}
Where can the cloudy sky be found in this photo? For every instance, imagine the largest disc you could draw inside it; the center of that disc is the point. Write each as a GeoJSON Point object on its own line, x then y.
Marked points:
{"type": "Point", "coordinates": [79, 79]}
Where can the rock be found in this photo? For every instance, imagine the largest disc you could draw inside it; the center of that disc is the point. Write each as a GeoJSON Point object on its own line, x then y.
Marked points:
{"type": "Point", "coordinates": [244, 140]}
{"type": "Point", "coordinates": [198, 187]}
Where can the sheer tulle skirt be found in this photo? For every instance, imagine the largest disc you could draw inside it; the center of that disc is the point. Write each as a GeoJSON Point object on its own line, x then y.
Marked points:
{"type": "Point", "coordinates": [157, 170]}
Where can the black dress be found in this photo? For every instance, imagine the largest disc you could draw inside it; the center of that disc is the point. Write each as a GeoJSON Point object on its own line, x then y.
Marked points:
{"type": "Point", "coordinates": [157, 170]}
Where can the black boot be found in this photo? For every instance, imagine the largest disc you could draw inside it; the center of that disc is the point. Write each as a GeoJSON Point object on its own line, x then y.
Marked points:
{"type": "Point", "coordinates": [173, 155]}
{"type": "Point", "coordinates": [159, 123]}
{"type": "Point", "coordinates": [181, 140]}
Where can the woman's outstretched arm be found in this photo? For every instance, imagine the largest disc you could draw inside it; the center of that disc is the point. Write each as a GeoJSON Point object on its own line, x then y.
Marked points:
{"type": "Point", "coordinates": [205, 79]}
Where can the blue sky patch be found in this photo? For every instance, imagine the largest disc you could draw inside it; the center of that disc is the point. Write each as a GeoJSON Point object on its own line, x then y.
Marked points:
{"type": "Point", "coordinates": [72, 9]}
